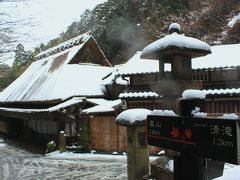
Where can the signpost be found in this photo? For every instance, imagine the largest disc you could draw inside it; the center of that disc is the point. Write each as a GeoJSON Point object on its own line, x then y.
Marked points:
{"type": "Point", "coordinates": [196, 139]}
{"type": "Point", "coordinates": [205, 137]}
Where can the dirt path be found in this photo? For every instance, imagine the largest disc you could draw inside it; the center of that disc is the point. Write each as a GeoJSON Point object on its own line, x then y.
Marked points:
{"type": "Point", "coordinates": [19, 164]}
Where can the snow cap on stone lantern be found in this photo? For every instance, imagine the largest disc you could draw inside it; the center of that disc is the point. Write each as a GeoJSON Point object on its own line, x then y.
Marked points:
{"type": "Point", "coordinates": [174, 27]}
{"type": "Point", "coordinates": [178, 50]}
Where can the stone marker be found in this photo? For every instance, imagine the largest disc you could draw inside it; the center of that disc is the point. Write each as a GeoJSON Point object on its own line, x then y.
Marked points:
{"type": "Point", "coordinates": [138, 152]}
{"type": "Point", "coordinates": [62, 142]}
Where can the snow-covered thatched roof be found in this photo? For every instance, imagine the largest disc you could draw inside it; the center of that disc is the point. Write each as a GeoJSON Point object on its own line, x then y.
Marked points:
{"type": "Point", "coordinates": [60, 76]}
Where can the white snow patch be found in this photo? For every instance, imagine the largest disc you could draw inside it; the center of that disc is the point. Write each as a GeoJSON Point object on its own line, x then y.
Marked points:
{"type": "Point", "coordinates": [222, 91]}
{"type": "Point", "coordinates": [161, 153]}
{"type": "Point", "coordinates": [133, 115]}
{"type": "Point", "coordinates": [156, 112]}
{"type": "Point", "coordinates": [76, 156]}
{"type": "Point", "coordinates": [200, 115]}
{"type": "Point", "coordinates": [144, 94]}
{"type": "Point", "coordinates": [196, 113]}
{"type": "Point", "coordinates": [174, 26]}
{"type": "Point", "coordinates": [170, 165]}
{"type": "Point", "coordinates": [234, 20]}
{"type": "Point", "coordinates": [230, 116]}
{"type": "Point", "coordinates": [193, 94]}
{"type": "Point", "coordinates": [107, 106]}
{"type": "Point", "coordinates": [3, 145]}
{"type": "Point", "coordinates": [175, 39]}
{"type": "Point", "coordinates": [230, 173]}
{"type": "Point", "coordinates": [136, 65]}
{"type": "Point", "coordinates": [218, 57]}
{"type": "Point", "coordinates": [115, 153]}
{"type": "Point", "coordinates": [93, 151]}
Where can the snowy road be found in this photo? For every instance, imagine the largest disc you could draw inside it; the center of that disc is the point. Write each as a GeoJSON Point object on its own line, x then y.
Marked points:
{"type": "Point", "coordinates": [19, 164]}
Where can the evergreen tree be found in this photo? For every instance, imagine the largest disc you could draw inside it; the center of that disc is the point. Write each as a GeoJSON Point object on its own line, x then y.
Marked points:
{"type": "Point", "coordinates": [21, 56]}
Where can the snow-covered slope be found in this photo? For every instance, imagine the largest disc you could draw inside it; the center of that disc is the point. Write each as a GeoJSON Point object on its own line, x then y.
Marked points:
{"type": "Point", "coordinates": [32, 22]}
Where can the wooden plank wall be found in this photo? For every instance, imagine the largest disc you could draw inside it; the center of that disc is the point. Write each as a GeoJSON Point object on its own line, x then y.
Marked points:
{"type": "Point", "coordinates": [222, 106]}
{"type": "Point", "coordinates": [107, 136]}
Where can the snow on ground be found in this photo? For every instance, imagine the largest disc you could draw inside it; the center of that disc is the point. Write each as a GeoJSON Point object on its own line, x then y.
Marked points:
{"type": "Point", "coordinates": [231, 172]}
{"type": "Point", "coordinates": [16, 163]}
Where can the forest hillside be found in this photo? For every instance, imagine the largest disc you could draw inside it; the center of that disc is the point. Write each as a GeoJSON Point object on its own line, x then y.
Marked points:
{"type": "Point", "coordinates": [121, 27]}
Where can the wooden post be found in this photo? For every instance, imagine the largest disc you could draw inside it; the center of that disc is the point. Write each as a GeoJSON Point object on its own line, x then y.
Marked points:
{"type": "Point", "coordinates": [62, 142]}
{"type": "Point", "coordinates": [188, 166]}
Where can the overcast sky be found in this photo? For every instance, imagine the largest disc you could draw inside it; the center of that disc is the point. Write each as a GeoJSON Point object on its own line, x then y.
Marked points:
{"type": "Point", "coordinates": [32, 22]}
{"type": "Point", "coordinates": [56, 15]}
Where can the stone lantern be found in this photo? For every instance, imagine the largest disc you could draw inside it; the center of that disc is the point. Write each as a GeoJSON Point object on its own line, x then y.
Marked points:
{"type": "Point", "coordinates": [177, 50]}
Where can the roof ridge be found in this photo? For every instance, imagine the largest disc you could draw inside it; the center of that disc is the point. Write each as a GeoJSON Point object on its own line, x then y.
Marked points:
{"type": "Point", "coordinates": [218, 67]}
{"type": "Point", "coordinates": [64, 45]}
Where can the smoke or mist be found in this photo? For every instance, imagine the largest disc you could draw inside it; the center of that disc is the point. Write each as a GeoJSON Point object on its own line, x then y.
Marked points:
{"type": "Point", "coordinates": [125, 34]}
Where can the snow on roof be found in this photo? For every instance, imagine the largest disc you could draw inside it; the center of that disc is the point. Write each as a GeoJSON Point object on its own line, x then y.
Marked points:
{"type": "Point", "coordinates": [222, 56]}
{"type": "Point", "coordinates": [81, 39]}
{"type": "Point", "coordinates": [103, 106]}
{"type": "Point", "coordinates": [73, 101]}
{"type": "Point", "coordinates": [53, 78]}
{"type": "Point", "coordinates": [133, 117]}
{"type": "Point", "coordinates": [114, 77]}
{"type": "Point", "coordinates": [144, 94]}
{"type": "Point", "coordinates": [174, 40]}
{"type": "Point", "coordinates": [193, 94]}
{"type": "Point", "coordinates": [234, 20]}
{"type": "Point", "coordinates": [97, 101]}
{"type": "Point", "coordinates": [221, 91]}
{"type": "Point", "coordinates": [135, 65]}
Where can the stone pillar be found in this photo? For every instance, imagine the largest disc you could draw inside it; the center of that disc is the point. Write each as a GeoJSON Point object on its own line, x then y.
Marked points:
{"type": "Point", "coordinates": [182, 68]}
{"type": "Point", "coordinates": [138, 153]}
{"type": "Point", "coordinates": [62, 142]}
{"type": "Point", "coordinates": [161, 69]}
